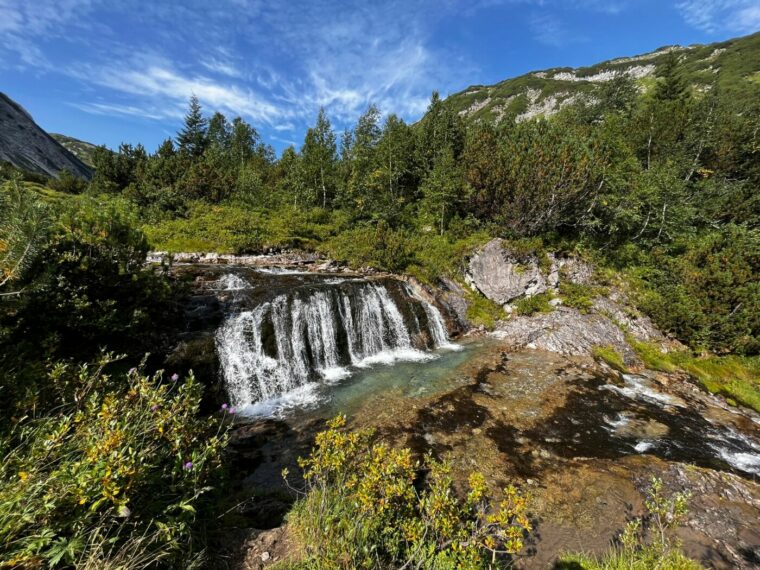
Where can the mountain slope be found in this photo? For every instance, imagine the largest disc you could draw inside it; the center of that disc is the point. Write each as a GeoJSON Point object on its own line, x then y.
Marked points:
{"type": "Point", "coordinates": [25, 145]}
{"type": "Point", "coordinates": [734, 65]}
{"type": "Point", "coordinates": [81, 149]}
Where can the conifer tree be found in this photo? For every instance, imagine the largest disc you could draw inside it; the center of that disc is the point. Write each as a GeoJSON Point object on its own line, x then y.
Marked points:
{"type": "Point", "coordinates": [193, 137]}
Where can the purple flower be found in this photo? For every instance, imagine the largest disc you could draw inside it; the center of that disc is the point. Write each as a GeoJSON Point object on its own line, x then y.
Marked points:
{"type": "Point", "coordinates": [232, 410]}
{"type": "Point", "coordinates": [154, 407]}
{"type": "Point", "coordinates": [132, 371]}
{"type": "Point", "coordinates": [224, 406]}
{"type": "Point", "coordinates": [175, 377]}
{"type": "Point", "coordinates": [188, 466]}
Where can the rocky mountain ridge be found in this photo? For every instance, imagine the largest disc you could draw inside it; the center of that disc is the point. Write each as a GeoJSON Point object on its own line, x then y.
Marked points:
{"type": "Point", "coordinates": [27, 146]}
{"type": "Point", "coordinates": [733, 65]}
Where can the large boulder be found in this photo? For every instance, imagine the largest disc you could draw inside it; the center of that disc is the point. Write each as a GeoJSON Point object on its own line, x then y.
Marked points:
{"type": "Point", "coordinates": [502, 276]}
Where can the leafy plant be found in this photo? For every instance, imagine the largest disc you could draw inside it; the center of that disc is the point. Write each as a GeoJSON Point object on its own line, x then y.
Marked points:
{"type": "Point", "coordinates": [115, 475]}
{"type": "Point", "coordinates": [364, 507]}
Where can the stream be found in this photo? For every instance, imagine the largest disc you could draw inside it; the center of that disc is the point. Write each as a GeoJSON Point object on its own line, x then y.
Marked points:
{"type": "Point", "coordinates": [298, 347]}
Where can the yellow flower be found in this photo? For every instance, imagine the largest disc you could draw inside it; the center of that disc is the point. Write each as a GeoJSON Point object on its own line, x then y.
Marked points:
{"type": "Point", "coordinates": [23, 475]}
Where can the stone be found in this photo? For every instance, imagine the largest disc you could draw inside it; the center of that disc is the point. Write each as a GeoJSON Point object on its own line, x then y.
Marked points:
{"type": "Point", "coordinates": [265, 556]}
{"type": "Point", "coordinates": [556, 302]}
{"type": "Point", "coordinates": [502, 276]}
{"type": "Point", "coordinates": [565, 331]}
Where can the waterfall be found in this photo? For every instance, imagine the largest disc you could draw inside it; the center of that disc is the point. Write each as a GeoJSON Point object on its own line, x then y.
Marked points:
{"type": "Point", "coordinates": [319, 332]}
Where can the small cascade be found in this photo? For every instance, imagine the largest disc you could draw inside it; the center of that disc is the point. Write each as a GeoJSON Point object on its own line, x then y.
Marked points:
{"type": "Point", "coordinates": [318, 331]}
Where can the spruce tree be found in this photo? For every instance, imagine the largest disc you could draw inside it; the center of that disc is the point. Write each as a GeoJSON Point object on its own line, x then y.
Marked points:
{"type": "Point", "coordinates": [193, 137]}
{"type": "Point", "coordinates": [671, 86]}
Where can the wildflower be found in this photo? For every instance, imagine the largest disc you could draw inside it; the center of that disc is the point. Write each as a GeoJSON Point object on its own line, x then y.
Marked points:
{"type": "Point", "coordinates": [188, 466]}
{"type": "Point", "coordinates": [175, 377]}
{"type": "Point", "coordinates": [132, 371]}
{"type": "Point", "coordinates": [154, 407]}
{"type": "Point", "coordinates": [232, 410]}
{"type": "Point", "coordinates": [23, 475]}
{"type": "Point", "coordinates": [224, 406]}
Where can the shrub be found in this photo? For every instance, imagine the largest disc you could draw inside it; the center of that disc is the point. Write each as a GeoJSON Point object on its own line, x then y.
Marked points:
{"type": "Point", "coordinates": [481, 311]}
{"type": "Point", "coordinates": [114, 476]}
{"type": "Point", "coordinates": [532, 305]}
{"type": "Point", "coordinates": [364, 508]}
{"type": "Point", "coordinates": [664, 514]}
{"type": "Point", "coordinates": [579, 296]}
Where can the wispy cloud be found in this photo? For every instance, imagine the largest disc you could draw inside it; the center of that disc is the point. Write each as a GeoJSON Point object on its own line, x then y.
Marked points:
{"type": "Point", "coordinates": [712, 16]}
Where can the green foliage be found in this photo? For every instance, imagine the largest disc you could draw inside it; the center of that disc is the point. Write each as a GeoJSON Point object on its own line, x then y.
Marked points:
{"type": "Point", "coordinates": [709, 295]}
{"type": "Point", "coordinates": [609, 355]}
{"type": "Point", "coordinates": [579, 296]}
{"type": "Point", "coordinates": [735, 377]}
{"type": "Point", "coordinates": [24, 223]}
{"type": "Point", "coordinates": [378, 246]}
{"type": "Point", "coordinates": [113, 478]}
{"type": "Point", "coordinates": [364, 508]}
{"type": "Point", "coordinates": [533, 305]}
{"type": "Point", "coordinates": [664, 514]}
{"type": "Point", "coordinates": [482, 312]}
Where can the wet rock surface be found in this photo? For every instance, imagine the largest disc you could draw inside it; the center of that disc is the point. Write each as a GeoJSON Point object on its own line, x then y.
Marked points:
{"type": "Point", "coordinates": [584, 442]}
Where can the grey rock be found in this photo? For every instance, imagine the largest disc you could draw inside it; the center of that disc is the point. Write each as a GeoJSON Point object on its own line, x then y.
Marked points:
{"type": "Point", "coordinates": [502, 276]}
{"type": "Point", "coordinates": [638, 324]}
{"type": "Point", "coordinates": [25, 145]}
{"type": "Point", "coordinates": [565, 331]}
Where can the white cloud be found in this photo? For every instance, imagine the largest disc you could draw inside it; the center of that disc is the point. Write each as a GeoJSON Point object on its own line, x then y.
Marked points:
{"type": "Point", "coordinates": [712, 16]}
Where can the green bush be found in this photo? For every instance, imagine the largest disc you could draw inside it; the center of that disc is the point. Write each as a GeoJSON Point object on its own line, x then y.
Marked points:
{"type": "Point", "coordinates": [481, 311]}
{"type": "Point", "coordinates": [113, 478]}
{"type": "Point", "coordinates": [533, 305]}
{"type": "Point", "coordinates": [579, 296]}
{"type": "Point", "coordinates": [365, 508]}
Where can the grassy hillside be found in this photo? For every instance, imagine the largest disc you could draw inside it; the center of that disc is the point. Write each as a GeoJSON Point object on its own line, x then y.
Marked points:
{"type": "Point", "coordinates": [734, 64]}
{"type": "Point", "coordinates": [81, 149]}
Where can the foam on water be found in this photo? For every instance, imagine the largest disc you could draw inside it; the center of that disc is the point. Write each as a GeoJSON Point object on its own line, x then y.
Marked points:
{"type": "Point", "coordinates": [301, 398]}
{"type": "Point", "coordinates": [321, 333]}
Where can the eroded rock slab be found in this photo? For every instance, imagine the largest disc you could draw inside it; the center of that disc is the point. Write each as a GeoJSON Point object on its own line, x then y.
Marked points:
{"type": "Point", "coordinates": [565, 331]}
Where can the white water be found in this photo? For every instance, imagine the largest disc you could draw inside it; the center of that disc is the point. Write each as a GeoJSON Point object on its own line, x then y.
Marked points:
{"type": "Point", "coordinates": [275, 355]}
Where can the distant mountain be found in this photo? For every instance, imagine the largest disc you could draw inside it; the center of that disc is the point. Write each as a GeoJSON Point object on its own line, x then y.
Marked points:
{"type": "Point", "coordinates": [81, 149]}
{"type": "Point", "coordinates": [26, 146]}
{"type": "Point", "coordinates": [734, 65]}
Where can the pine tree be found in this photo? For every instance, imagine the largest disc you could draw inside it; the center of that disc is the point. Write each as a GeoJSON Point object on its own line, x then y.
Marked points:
{"type": "Point", "coordinates": [193, 138]}
{"type": "Point", "coordinates": [671, 85]}
{"type": "Point", "coordinates": [441, 186]}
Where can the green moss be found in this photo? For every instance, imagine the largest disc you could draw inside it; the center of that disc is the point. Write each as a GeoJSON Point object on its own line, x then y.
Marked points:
{"type": "Point", "coordinates": [482, 311]}
{"type": "Point", "coordinates": [735, 377]}
{"type": "Point", "coordinates": [533, 305]}
{"type": "Point", "coordinates": [578, 296]}
{"type": "Point", "coordinates": [609, 355]}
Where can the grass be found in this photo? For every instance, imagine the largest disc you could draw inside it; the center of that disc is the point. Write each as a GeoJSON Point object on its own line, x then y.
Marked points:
{"type": "Point", "coordinates": [533, 305]}
{"type": "Point", "coordinates": [644, 559]}
{"type": "Point", "coordinates": [482, 311]}
{"type": "Point", "coordinates": [609, 355]}
{"type": "Point", "coordinates": [736, 377]}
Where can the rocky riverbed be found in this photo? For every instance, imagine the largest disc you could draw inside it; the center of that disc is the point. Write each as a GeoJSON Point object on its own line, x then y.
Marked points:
{"type": "Point", "coordinates": [526, 403]}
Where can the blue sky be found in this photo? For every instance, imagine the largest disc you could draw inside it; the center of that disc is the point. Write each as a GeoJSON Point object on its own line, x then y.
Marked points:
{"type": "Point", "coordinates": [107, 71]}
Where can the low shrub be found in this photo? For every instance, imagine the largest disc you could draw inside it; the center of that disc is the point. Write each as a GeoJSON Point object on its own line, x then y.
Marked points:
{"type": "Point", "coordinates": [646, 542]}
{"type": "Point", "coordinates": [365, 507]}
{"type": "Point", "coordinates": [579, 296]}
{"type": "Point", "coordinates": [532, 305]}
{"type": "Point", "coordinates": [113, 479]}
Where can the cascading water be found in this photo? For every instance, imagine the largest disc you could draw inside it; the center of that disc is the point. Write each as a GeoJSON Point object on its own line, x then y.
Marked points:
{"type": "Point", "coordinates": [316, 331]}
